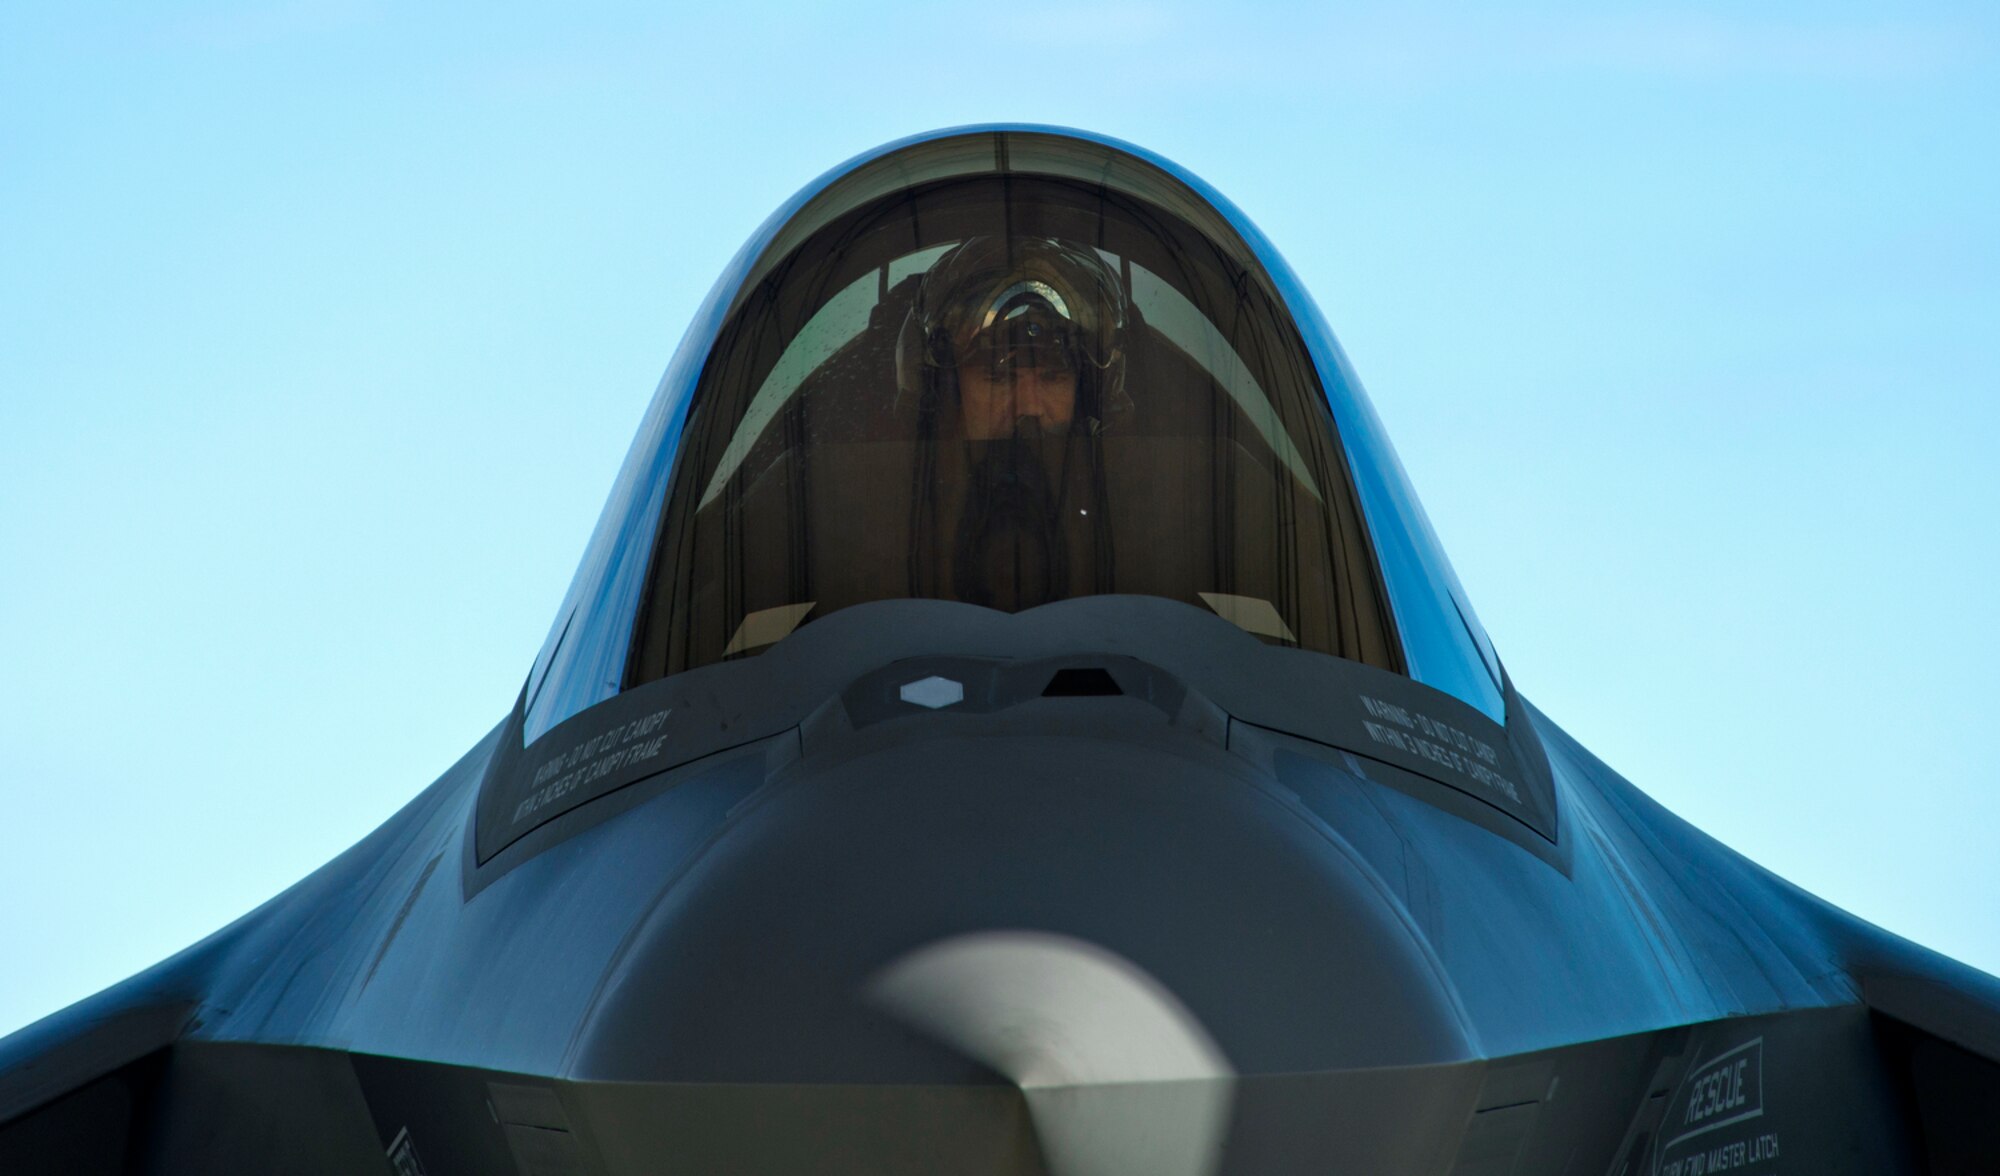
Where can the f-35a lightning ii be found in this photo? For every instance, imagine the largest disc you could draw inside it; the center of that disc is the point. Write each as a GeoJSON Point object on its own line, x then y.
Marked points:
{"type": "Point", "coordinates": [1013, 717]}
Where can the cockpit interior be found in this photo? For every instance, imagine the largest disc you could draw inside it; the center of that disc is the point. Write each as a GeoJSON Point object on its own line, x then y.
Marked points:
{"type": "Point", "coordinates": [1008, 391]}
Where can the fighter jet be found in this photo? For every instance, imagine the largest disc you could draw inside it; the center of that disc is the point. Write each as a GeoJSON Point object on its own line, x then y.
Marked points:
{"type": "Point", "coordinates": [1013, 718]}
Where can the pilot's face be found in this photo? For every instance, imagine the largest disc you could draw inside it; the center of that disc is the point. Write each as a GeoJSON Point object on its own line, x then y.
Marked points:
{"type": "Point", "coordinates": [993, 397]}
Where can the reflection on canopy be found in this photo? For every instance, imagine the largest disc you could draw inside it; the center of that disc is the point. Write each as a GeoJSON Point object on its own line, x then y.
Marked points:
{"type": "Point", "coordinates": [831, 328]}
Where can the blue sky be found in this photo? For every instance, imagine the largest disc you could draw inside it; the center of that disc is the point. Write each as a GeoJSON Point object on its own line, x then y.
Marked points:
{"type": "Point", "coordinates": [327, 322]}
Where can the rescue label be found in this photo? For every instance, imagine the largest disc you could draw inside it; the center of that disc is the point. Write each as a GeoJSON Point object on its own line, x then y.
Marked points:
{"type": "Point", "coordinates": [1715, 1123]}
{"type": "Point", "coordinates": [403, 1155]}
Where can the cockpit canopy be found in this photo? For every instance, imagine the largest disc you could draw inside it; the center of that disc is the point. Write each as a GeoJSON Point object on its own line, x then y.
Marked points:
{"type": "Point", "coordinates": [1007, 391]}
{"type": "Point", "coordinates": [1006, 368]}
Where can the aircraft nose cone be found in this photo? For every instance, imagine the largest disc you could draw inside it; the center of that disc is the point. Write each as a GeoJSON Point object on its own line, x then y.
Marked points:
{"type": "Point", "coordinates": [1014, 911]}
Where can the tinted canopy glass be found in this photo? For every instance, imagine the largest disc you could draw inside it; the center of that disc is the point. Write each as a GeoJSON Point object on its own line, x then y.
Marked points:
{"type": "Point", "coordinates": [1007, 390]}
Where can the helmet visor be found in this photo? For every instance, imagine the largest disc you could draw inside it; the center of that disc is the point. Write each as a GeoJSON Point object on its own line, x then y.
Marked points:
{"type": "Point", "coordinates": [1028, 329]}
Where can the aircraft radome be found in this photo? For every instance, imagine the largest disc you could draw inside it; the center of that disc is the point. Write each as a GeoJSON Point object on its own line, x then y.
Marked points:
{"type": "Point", "coordinates": [1013, 717]}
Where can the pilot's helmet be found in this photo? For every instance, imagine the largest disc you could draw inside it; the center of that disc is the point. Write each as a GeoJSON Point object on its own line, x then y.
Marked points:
{"type": "Point", "coordinates": [1014, 303]}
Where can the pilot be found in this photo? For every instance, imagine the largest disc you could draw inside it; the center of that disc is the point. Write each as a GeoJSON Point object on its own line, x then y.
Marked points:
{"type": "Point", "coordinates": [1013, 351]}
